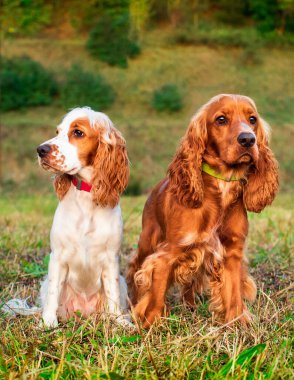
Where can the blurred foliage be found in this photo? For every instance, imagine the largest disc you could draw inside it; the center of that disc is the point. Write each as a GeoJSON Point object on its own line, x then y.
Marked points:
{"type": "Point", "coordinates": [110, 39]}
{"type": "Point", "coordinates": [25, 83]}
{"type": "Point", "coordinates": [264, 15]}
{"type": "Point", "coordinates": [179, 12]}
{"type": "Point", "coordinates": [27, 17]}
{"type": "Point", "coordinates": [134, 187]}
{"type": "Point", "coordinates": [139, 15]}
{"type": "Point", "coordinates": [81, 87]}
{"type": "Point", "coordinates": [110, 42]}
{"type": "Point", "coordinates": [232, 12]}
{"type": "Point", "coordinates": [246, 37]}
{"type": "Point", "coordinates": [82, 14]}
{"type": "Point", "coordinates": [167, 98]}
{"type": "Point", "coordinates": [273, 14]}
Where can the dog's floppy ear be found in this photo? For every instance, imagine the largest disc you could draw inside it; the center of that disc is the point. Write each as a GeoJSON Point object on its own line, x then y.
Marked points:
{"type": "Point", "coordinates": [185, 170]}
{"type": "Point", "coordinates": [111, 169]}
{"type": "Point", "coordinates": [263, 180]}
{"type": "Point", "coordinates": [61, 185]}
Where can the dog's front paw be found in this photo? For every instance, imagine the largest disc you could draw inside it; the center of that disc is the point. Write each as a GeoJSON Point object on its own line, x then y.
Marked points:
{"type": "Point", "coordinates": [124, 321]}
{"type": "Point", "coordinates": [148, 315]}
{"type": "Point", "coordinates": [49, 320]}
{"type": "Point", "coordinates": [241, 315]}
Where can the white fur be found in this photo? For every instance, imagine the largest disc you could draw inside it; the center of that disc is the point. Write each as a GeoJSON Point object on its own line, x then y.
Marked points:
{"type": "Point", "coordinates": [85, 243]}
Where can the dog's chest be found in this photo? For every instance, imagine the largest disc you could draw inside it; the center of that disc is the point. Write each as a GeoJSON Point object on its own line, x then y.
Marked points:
{"type": "Point", "coordinates": [229, 192]}
{"type": "Point", "coordinates": [82, 232]}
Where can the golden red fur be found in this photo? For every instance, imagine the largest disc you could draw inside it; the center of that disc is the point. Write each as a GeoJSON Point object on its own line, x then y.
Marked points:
{"type": "Point", "coordinates": [195, 225]}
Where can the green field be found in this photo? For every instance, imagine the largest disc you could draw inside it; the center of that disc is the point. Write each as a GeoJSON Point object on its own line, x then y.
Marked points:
{"type": "Point", "coordinates": [184, 345]}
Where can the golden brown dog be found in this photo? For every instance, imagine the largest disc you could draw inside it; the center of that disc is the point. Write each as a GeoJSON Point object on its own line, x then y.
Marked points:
{"type": "Point", "coordinates": [195, 221]}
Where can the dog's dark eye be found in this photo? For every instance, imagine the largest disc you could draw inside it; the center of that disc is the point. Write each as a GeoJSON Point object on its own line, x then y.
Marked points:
{"type": "Point", "coordinates": [78, 133]}
{"type": "Point", "coordinates": [252, 120]}
{"type": "Point", "coordinates": [221, 120]}
{"type": "Point", "coordinates": [57, 132]}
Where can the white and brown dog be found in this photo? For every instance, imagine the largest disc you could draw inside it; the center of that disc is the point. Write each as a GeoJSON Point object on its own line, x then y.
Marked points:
{"type": "Point", "coordinates": [90, 161]}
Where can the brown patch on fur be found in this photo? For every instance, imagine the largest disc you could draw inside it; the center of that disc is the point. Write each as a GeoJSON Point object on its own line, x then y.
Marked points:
{"type": "Point", "coordinates": [50, 161]}
{"type": "Point", "coordinates": [111, 170]}
{"type": "Point", "coordinates": [86, 145]}
{"type": "Point", "coordinates": [107, 156]}
{"type": "Point", "coordinates": [61, 185]}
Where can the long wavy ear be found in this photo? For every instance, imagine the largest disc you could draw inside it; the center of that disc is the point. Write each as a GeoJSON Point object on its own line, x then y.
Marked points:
{"type": "Point", "coordinates": [185, 169]}
{"type": "Point", "coordinates": [61, 185]}
{"type": "Point", "coordinates": [263, 182]}
{"type": "Point", "coordinates": [111, 169]}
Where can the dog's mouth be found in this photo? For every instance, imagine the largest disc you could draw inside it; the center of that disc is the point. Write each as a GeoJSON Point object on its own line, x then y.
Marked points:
{"type": "Point", "coordinates": [246, 158]}
{"type": "Point", "coordinates": [53, 169]}
{"type": "Point", "coordinates": [50, 168]}
{"type": "Point", "coordinates": [243, 160]}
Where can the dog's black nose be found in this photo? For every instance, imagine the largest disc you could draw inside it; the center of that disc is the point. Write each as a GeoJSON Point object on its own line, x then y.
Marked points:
{"type": "Point", "coordinates": [43, 150]}
{"type": "Point", "coordinates": [246, 139]}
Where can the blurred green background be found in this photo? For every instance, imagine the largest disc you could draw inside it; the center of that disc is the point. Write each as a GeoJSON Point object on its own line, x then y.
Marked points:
{"type": "Point", "coordinates": [149, 65]}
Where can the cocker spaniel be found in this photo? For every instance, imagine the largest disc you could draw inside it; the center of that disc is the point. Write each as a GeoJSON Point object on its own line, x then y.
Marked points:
{"type": "Point", "coordinates": [90, 161]}
{"type": "Point", "coordinates": [195, 222]}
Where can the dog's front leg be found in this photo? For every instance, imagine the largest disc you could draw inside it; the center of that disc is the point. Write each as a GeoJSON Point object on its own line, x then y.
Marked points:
{"type": "Point", "coordinates": [56, 276]}
{"type": "Point", "coordinates": [112, 288]}
{"type": "Point", "coordinates": [233, 283]}
{"type": "Point", "coordinates": [110, 279]}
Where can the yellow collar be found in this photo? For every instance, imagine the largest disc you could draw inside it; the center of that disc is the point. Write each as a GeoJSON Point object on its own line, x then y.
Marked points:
{"type": "Point", "coordinates": [209, 170]}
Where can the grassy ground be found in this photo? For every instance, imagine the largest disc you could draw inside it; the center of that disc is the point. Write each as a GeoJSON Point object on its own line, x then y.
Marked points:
{"type": "Point", "coordinates": [184, 345]}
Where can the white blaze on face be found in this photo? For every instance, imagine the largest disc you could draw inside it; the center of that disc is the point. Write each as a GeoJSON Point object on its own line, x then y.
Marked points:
{"type": "Point", "coordinates": [64, 156]}
{"type": "Point", "coordinates": [63, 152]}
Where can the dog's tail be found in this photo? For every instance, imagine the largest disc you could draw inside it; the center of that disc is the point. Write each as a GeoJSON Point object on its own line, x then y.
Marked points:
{"type": "Point", "coordinates": [17, 306]}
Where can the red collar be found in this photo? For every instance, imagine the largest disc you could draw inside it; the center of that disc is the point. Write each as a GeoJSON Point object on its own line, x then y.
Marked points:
{"type": "Point", "coordinates": [81, 185]}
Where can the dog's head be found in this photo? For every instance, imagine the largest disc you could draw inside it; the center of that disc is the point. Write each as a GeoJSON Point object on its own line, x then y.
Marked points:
{"type": "Point", "coordinates": [229, 129]}
{"type": "Point", "coordinates": [232, 124]}
{"type": "Point", "coordinates": [87, 140]}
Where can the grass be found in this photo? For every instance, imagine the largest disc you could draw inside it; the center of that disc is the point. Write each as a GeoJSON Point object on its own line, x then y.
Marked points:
{"type": "Point", "coordinates": [185, 345]}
